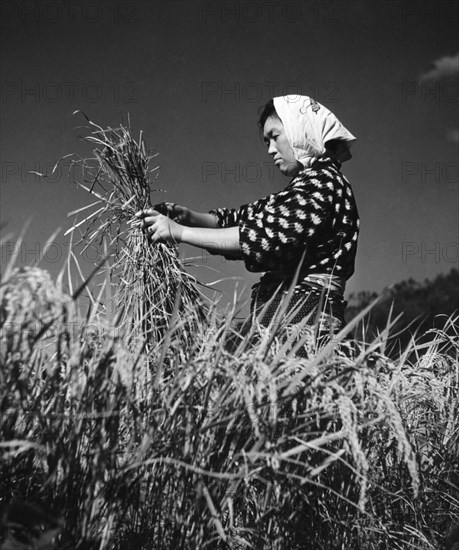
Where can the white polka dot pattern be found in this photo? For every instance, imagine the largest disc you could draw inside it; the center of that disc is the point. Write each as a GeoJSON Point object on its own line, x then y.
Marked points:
{"type": "Point", "coordinates": [316, 212]}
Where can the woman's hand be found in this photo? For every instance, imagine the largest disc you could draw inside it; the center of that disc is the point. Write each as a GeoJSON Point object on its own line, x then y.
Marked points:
{"type": "Point", "coordinates": [186, 216]}
{"type": "Point", "coordinates": [160, 228]}
{"type": "Point", "coordinates": [180, 214]}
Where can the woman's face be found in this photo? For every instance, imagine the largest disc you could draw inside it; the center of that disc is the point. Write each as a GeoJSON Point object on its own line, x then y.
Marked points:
{"type": "Point", "coordinates": [279, 147]}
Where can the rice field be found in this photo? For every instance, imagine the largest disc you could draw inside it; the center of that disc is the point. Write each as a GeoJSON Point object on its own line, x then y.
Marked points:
{"type": "Point", "coordinates": [145, 421]}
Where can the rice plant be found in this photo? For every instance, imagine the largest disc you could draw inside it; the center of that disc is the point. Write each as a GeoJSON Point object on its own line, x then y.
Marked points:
{"type": "Point", "coordinates": [156, 435]}
{"type": "Point", "coordinates": [151, 281]}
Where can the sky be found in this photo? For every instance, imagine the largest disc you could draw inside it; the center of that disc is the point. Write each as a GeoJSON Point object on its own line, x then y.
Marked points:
{"type": "Point", "coordinates": [193, 74]}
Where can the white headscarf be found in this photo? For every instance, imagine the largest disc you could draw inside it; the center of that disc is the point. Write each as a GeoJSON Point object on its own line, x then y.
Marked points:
{"type": "Point", "coordinates": [308, 126]}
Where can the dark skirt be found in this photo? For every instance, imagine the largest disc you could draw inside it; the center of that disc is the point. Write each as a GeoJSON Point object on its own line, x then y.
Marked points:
{"type": "Point", "coordinates": [313, 314]}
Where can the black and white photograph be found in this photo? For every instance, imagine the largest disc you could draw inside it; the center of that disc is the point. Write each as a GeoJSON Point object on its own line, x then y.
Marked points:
{"type": "Point", "coordinates": [229, 298]}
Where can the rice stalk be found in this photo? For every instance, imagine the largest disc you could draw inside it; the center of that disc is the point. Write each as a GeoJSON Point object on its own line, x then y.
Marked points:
{"type": "Point", "coordinates": [148, 278]}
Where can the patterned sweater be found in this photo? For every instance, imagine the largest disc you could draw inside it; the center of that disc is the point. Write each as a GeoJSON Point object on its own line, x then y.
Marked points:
{"type": "Point", "coordinates": [316, 212]}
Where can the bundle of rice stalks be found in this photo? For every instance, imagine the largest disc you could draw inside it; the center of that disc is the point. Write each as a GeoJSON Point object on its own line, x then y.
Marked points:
{"type": "Point", "coordinates": [153, 287]}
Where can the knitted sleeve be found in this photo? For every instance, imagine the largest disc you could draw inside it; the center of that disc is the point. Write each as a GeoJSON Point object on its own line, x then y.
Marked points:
{"type": "Point", "coordinates": [228, 217]}
{"type": "Point", "coordinates": [274, 233]}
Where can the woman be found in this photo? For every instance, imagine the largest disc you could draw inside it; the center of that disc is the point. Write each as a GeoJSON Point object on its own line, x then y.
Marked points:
{"type": "Point", "coordinates": [312, 224]}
